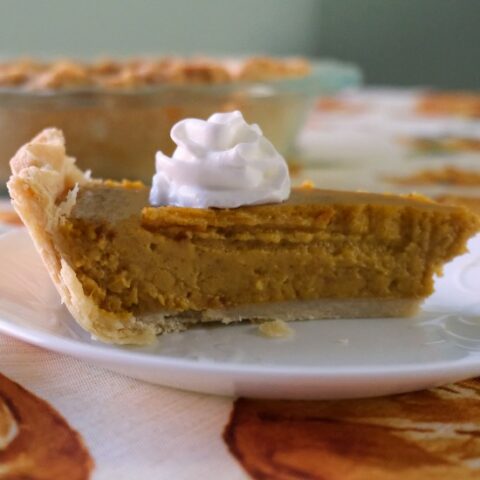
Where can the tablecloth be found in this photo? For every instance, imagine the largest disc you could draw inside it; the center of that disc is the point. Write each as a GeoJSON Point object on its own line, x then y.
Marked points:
{"type": "Point", "coordinates": [132, 429]}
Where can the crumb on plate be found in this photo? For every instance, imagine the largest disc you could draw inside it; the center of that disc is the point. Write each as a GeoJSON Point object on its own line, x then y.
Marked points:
{"type": "Point", "coordinates": [275, 329]}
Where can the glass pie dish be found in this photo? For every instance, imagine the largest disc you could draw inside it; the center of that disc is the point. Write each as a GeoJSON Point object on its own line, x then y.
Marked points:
{"type": "Point", "coordinates": [115, 133]}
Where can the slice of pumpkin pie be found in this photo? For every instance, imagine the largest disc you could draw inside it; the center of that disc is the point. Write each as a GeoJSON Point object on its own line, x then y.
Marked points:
{"type": "Point", "coordinates": [132, 262]}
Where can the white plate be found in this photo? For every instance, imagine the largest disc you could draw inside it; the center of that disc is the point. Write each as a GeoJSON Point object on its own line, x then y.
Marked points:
{"type": "Point", "coordinates": [324, 359]}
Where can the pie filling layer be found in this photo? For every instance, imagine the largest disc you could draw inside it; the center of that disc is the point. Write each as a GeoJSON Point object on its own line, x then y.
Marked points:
{"type": "Point", "coordinates": [133, 258]}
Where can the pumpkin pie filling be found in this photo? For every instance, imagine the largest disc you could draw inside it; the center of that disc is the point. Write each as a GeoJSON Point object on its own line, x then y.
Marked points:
{"type": "Point", "coordinates": [131, 257]}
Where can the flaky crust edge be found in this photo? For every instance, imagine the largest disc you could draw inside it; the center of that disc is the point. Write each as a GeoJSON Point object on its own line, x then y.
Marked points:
{"type": "Point", "coordinates": [43, 188]}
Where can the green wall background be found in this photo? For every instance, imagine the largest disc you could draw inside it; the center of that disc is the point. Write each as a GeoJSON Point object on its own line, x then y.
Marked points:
{"type": "Point", "coordinates": [90, 27]}
{"type": "Point", "coordinates": [396, 42]}
{"type": "Point", "coordinates": [406, 42]}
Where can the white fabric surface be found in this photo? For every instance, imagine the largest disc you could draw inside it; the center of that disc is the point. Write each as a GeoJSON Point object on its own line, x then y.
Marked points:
{"type": "Point", "coordinates": [134, 430]}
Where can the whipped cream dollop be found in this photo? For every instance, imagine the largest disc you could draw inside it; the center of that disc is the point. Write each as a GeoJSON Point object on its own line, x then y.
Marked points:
{"type": "Point", "coordinates": [221, 162]}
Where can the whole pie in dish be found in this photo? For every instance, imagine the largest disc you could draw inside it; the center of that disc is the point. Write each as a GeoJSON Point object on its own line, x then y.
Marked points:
{"type": "Point", "coordinates": [117, 112]}
{"type": "Point", "coordinates": [128, 271]}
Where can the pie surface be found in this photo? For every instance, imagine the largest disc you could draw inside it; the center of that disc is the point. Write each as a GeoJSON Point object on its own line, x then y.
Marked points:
{"type": "Point", "coordinates": [113, 74]}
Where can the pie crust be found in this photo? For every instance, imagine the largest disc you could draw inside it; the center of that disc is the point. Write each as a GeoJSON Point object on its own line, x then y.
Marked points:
{"type": "Point", "coordinates": [134, 73]}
